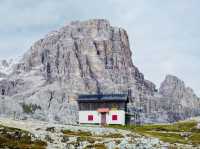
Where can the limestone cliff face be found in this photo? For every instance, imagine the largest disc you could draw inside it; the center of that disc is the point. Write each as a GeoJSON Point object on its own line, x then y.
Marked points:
{"type": "Point", "coordinates": [82, 57]}
{"type": "Point", "coordinates": [89, 56]}
{"type": "Point", "coordinates": [173, 87]}
{"type": "Point", "coordinates": [183, 99]}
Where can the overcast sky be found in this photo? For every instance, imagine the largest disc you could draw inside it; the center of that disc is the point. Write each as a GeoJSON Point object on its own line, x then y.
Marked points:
{"type": "Point", "coordinates": [164, 35]}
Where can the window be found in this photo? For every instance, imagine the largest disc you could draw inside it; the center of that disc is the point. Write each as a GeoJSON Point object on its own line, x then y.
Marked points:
{"type": "Point", "coordinates": [90, 117]}
{"type": "Point", "coordinates": [114, 117]}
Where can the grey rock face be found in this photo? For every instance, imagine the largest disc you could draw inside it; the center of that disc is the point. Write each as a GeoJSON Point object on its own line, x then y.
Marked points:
{"type": "Point", "coordinates": [92, 54]}
{"type": "Point", "coordinates": [2, 75]}
{"type": "Point", "coordinates": [183, 99]}
{"type": "Point", "coordinates": [82, 57]}
{"type": "Point", "coordinates": [4, 63]}
{"type": "Point", "coordinates": [172, 87]}
{"type": "Point", "coordinates": [6, 66]}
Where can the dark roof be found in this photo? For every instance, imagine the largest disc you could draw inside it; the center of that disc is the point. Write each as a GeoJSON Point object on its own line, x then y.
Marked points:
{"type": "Point", "coordinates": [102, 97]}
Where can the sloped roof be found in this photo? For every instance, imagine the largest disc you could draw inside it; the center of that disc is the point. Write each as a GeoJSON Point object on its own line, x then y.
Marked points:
{"type": "Point", "coordinates": [102, 97]}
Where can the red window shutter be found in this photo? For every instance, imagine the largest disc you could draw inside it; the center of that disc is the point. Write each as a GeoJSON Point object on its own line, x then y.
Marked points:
{"type": "Point", "coordinates": [90, 117]}
{"type": "Point", "coordinates": [114, 117]}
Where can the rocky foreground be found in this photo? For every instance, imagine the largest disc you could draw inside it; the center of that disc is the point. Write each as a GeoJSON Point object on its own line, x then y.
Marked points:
{"type": "Point", "coordinates": [81, 137]}
{"type": "Point", "coordinates": [18, 134]}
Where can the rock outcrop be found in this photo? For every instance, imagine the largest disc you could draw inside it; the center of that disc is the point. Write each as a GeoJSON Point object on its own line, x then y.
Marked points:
{"type": "Point", "coordinates": [183, 99]}
{"type": "Point", "coordinates": [6, 67]}
{"type": "Point", "coordinates": [82, 57]}
{"type": "Point", "coordinates": [89, 56]}
{"type": "Point", "coordinates": [72, 137]}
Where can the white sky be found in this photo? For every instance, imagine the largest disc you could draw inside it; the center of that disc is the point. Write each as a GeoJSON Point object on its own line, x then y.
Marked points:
{"type": "Point", "coordinates": [164, 35]}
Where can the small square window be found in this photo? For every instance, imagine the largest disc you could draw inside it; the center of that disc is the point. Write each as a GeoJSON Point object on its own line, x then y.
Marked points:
{"type": "Point", "coordinates": [114, 117]}
{"type": "Point", "coordinates": [90, 117]}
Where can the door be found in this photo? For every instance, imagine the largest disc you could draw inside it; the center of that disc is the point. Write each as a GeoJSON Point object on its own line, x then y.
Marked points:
{"type": "Point", "coordinates": [103, 118]}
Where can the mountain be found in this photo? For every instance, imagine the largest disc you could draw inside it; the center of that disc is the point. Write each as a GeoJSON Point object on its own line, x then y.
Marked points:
{"type": "Point", "coordinates": [82, 57]}
{"type": "Point", "coordinates": [183, 100]}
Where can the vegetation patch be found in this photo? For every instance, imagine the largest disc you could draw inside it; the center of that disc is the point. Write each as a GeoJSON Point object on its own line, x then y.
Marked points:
{"type": "Point", "coordinates": [50, 129]}
{"type": "Point", "coordinates": [93, 140]}
{"type": "Point", "coordinates": [96, 146]}
{"type": "Point", "coordinates": [112, 135]}
{"type": "Point", "coordinates": [76, 133]}
{"type": "Point", "coordinates": [13, 138]}
{"type": "Point", "coordinates": [195, 139]}
{"type": "Point", "coordinates": [89, 134]}
{"type": "Point", "coordinates": [74, 143]}
{"type": "Point", "coordinates": [65, 139]}
{"type": "Point", "coordinates": [87, 139]}
{"type": "Point", "coordinates": [180, 132]}
{"type": "Point", "coordinates": [30, 108]}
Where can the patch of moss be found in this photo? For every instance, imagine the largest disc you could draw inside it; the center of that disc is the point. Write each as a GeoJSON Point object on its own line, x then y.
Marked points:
{"type": "Point", "coordinates": [96, 146]}
{"type": "Point", "coordinates": [168, 137]}
{"type": "Point", "coordinates": [76, 133]}
{"type": "Point", "coordinates": [18, 139]}
{"type": "Point", "coordinates": [195, 130]}
{"type": "Point", "coordinates": [171, 133]}
{"type": "Point", "coordinates": [112, 135]}
{"type": "Point", "coordinates": [30, 108]}
{"type": "Point", "coordinates": [50, 129]}
{"type": "Point", "coordinates": [176, 127]}
{"type": "Point", "coordinates": [88, 139]}
{"type": "Point", "coordinates": [194, 139]}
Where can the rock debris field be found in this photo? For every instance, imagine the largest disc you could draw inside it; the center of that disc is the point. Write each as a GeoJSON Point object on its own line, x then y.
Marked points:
{"type": "Point", "coordinates": [82, 137]}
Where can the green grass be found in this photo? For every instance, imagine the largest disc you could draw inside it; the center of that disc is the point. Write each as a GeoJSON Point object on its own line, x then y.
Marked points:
{"type": "Point", "coordinates": [168, 137]}
{"type": "Point", "coordinates": [195, 138]}
{"type": "Point", "coordinates": [96, 146]}
{"type": "Point", "coordinates": [76, 133]}
{"type": "Point", "coordinates": [171, 133]}
{"type": "Point", "coordinates": [89, 134]}
{"type": "Point", "coordinates": [18, 139]}
{"type": "Point", "coordinates": [92, 139]}
{"type": "Point", "coordinates": [30, 108]}
{"type": "Point", "coordinates": [111, 135]}
{"type": "Point", "coordinates": [88, 139]}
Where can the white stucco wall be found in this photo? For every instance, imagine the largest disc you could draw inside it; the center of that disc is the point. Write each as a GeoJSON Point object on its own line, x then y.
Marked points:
{"type": "Point", "coordinates": [83, 117]}
{"type": "Point", "coordinates": [120, 117]}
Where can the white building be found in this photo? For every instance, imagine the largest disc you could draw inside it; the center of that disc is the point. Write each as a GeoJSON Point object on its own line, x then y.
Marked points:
{"type": "Point", "coordinates": [102, 109]}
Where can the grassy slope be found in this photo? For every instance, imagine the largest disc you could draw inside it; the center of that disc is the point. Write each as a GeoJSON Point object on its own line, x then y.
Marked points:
{"type": "Point", "coordinates": [91, 138]}
{"type": "Point", "coordinates": [13, 138]}
{"type": "Point", "coordinates": [172, 133]}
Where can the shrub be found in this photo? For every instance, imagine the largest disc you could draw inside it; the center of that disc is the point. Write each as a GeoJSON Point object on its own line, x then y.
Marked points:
{"type": "Point", "coordinates": [30, 108]}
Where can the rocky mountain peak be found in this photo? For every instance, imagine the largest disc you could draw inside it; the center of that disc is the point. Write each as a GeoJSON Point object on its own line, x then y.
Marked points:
{"type": "Point", "coordinates": [92, 23]}
{"type": "Point", "coordinates": [92, 52]}
{"type": "Point", "coordinates": [172, 86]}
{"type": "Point", "coordinates": [180, 95]}
{"type": "Point", "coordinates": [86, 57]}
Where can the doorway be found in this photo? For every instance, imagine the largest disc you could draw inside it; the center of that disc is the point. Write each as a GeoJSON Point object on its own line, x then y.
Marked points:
{"type": "Point", "coordinates": [103, 118]}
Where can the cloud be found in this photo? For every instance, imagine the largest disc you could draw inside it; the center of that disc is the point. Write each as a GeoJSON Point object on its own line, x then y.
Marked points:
{"type": "Point", "coordinates": [164, 35]}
